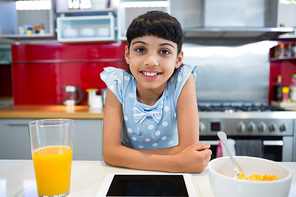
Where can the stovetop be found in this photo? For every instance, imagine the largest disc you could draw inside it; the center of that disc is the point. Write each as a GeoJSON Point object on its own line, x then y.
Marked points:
{"type": "Point", "coordinates": [245, 119]}
{"type": "Point", "coordinates": [237, 107]}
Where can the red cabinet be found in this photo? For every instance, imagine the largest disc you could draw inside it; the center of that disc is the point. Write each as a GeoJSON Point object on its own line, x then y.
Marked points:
{"type": "Point", "coordinates": [39, 71]}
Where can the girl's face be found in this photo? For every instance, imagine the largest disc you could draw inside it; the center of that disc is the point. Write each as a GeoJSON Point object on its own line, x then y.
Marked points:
{"type": "Point", "coordinates": [152, 61]}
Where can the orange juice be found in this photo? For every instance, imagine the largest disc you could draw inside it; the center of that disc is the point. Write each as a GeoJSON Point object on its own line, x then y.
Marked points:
{"type": "Point", "coordinates": [52, 166]}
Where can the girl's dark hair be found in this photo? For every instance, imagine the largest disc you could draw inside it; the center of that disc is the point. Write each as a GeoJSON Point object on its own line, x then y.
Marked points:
{"type": "Point", "coordinates": [156, 23]}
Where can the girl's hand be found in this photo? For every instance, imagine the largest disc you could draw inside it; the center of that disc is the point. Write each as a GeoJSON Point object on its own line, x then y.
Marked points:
{"type": "Point", "coordinates": [194, 158]}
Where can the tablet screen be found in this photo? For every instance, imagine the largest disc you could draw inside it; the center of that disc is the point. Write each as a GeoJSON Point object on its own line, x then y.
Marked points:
{"type": "Point", "coordinates": [148, 185]}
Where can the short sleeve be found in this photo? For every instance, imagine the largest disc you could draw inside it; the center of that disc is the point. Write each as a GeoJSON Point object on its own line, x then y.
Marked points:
{"type": "Point", "coordinates": [180, 78]}
{"type": "Point", "coordinates": [113, 78]}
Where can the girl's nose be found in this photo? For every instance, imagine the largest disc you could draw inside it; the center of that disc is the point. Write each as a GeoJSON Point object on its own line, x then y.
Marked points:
{"type": "Point", "coordinates": [151, 60]}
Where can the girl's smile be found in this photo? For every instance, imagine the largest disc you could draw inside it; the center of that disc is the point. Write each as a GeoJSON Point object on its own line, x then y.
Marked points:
{"type": "Point", "coordinates": [150, 75]}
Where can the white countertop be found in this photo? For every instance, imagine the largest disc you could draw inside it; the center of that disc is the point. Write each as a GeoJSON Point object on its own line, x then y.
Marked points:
{"type": "Point", "coordinates": [17, 178]}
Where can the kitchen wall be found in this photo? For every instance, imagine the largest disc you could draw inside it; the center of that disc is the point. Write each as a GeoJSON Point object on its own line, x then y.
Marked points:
{"type": "Point", "coordinates": [237, 73]}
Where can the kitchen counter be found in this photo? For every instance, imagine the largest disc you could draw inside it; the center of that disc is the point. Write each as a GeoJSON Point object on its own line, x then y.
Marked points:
{"type": "Point", "coordinates": [17, 178]}
{"type": "Point", "coordinates": [85, 112]}
{"type": "Point", "coordinates": [289, 106]}
{"type": "Point", "coordinates": [50, 111]}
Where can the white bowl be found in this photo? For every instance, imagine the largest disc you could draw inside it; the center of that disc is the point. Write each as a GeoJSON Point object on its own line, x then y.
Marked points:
{"type": "Point", "coordinates": [87, 32]}
{"type": "Point", "coordinates": [103, 32]}
{"type": "Point", "coordinates": [224, 185]}
{"type": "Point", "coordinates": [70, 33]}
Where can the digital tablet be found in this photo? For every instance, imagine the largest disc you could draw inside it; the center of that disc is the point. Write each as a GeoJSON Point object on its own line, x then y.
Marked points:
{"type": "Point", "coordinates": [124, 185]}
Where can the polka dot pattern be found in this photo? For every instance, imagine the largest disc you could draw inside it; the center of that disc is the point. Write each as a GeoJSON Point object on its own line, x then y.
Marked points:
{"type": "Point", "coordinates": [166, 108]}
{"type": "Point", "coordinates": [103, 77]}
{"type": "Point", "coordinates": [150, 127]}
{"type": "Point", "coordinates": [131, 95]}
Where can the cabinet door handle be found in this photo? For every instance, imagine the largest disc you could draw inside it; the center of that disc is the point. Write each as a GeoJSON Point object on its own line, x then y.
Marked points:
{"type": "Point", "coordinates": [17, 124]}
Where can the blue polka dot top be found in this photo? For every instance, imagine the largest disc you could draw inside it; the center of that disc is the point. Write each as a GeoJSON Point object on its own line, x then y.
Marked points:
{"type": "Point", "coordinates": [147, 127]}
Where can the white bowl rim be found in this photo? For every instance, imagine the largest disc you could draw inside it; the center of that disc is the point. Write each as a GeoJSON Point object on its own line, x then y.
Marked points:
{"type": "Point", "coordinates": [251, 182]}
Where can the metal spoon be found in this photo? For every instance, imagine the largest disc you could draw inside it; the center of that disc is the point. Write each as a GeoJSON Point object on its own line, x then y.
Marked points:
{"type": "Point", "coordinates": [222, 136]}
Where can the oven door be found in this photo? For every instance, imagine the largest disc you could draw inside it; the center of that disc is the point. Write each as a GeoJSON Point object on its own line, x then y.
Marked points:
{"type": "Point", "coordinates": [274, 148]}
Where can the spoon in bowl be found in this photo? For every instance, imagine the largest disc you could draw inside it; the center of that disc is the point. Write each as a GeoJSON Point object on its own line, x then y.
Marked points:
{"type": "Point", "coordinates": [222, 136]}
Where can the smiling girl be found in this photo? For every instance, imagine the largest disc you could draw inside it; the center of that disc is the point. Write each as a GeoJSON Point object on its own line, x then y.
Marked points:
{"type": "Point", "coordinates": [151, 115]}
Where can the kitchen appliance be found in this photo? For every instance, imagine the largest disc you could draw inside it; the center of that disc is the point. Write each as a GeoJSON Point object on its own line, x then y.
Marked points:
{"type": "Point", "coordinates": [250, 121]}
{"type": "Point", "coordinates": [236, 19]}
{"type": "Point", "coordinates": [72, 95]}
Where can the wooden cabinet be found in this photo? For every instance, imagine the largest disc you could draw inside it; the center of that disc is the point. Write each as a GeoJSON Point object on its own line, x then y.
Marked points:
{"type": "Point", "coordinates": [15, 141]}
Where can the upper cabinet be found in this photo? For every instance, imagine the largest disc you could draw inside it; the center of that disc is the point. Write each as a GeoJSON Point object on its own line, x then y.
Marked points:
{"type": "Point", "coordinates": [86, 20]}
{"type": "Point", "coordinates": [86, 28]}
{"type": "Point", "coordinates": [26, 19]}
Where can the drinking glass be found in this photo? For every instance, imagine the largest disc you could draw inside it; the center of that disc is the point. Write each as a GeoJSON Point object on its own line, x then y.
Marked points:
{"type": "Point", "coordinates": [52, 147]}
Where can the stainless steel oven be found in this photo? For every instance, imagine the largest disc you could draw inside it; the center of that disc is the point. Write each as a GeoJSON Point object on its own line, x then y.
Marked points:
{"type": "Point", "coordinates": [272, 126]}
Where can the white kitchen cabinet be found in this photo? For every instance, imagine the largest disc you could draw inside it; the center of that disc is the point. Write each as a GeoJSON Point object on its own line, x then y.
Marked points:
{"type": "Point", "coordinates": [86, 28]}
{"type": "Point", "coordinates": [15, 141]}
{"type": "Point", "coordinates": [11, 19]}
{"type": "Point", "coordinates": [88, 139]}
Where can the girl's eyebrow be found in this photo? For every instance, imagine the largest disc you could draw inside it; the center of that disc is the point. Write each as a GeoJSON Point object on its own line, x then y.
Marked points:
{"type": "Point", "coordinates": [163, 44]}
{"type": "Point", "coordinates": [166, 44]}
{"type": "Point", "coordinates": [139, 42]}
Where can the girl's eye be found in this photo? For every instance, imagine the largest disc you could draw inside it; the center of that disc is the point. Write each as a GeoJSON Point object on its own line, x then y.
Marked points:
{"type": "Point", "coordinates": [140, 50]}
{"type": "Point", "coordinates": [165, 52]}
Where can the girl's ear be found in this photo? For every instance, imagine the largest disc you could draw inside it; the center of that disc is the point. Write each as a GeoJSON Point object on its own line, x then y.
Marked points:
{"type": "Point", "coordinates": [126, 55]}
{"type": "Point", "coordinates": [179, 60]}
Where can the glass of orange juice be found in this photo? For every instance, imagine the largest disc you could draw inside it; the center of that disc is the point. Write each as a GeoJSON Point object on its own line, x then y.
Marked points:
{"type": "Point", "coordinates": [52, 147]}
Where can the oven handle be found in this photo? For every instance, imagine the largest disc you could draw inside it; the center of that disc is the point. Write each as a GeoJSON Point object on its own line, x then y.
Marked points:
{"type": "Point", "coordinates": [211, 142]}
{"type": "Point", "coordinates": [265, 142]}
{"type": "Point", "coordinates": [273, 142]}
